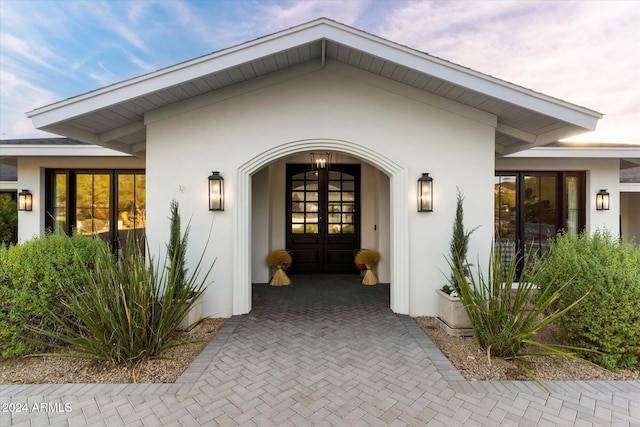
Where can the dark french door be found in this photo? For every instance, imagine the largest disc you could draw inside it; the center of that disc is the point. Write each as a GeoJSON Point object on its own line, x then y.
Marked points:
{"type": "Point", "coordinates": [323, 217]}
{"type": "Point", "coordinates": [530, 207]}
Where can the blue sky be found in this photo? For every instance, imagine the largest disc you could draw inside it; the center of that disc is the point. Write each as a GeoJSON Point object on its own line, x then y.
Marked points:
{"type": "Point", "coordinates": [583, 52]}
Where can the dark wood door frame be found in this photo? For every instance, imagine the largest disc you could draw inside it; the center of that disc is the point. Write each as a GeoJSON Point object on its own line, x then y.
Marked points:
{"type": "Point", "coordinates": [323, 217]}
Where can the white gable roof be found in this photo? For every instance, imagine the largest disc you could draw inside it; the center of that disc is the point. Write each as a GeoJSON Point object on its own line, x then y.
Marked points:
{"type": "Point", "coordinates": [113, 116]}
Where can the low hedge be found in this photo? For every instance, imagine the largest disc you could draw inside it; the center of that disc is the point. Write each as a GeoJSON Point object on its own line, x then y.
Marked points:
{"type": "Point", "coordinates": [608, 319]}
{"type": "Point", "coordinates": [32, 277]}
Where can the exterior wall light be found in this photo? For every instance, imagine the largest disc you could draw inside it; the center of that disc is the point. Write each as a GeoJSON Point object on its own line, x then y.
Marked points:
{"type": "Point", "coordinates": [425, 193]}
{"type": "Point", "coordinates": [602, 200]}
{"type": "Point", "coordinates": [216, 192]}
{"type": "Point", "coordinates": [25, 200]}
{"type": "Point", "coordinates": [320, 161]}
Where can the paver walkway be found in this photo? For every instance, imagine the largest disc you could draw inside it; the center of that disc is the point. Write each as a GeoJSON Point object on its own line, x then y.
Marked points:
{"type": "Point", "coordinates": [324, 351]}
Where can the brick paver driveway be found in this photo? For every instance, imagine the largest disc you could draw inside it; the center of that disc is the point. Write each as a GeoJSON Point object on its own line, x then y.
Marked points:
{"type": "Point", "coordinates": [324, 351]}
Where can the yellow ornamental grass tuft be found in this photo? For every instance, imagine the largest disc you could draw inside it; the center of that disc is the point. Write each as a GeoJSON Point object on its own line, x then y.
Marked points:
{"type": "Point", "coordinates": [369, 259]}
{"type": "Point", "coordinates": [278, 258]}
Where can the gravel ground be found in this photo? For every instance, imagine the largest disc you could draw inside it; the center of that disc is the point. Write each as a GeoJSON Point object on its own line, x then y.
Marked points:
{"type": "Point", "coordinates": [63, 370]}
{"type": "Point", "coordinates": [467, 356]}
{"type": "Point", "coordinates": [463, 352]}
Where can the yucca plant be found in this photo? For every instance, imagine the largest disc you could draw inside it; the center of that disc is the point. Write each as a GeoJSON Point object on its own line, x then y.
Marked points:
{"type": "Point", "coordinates": [505, 321]}
{"type": "Point", "coordinates": [129, 308]}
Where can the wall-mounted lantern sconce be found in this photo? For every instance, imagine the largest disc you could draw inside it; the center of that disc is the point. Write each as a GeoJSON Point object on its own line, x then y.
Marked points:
{"type": "Point", "coordinates": [216, 192]}
{"type": "Point", "coordinates": [425, 193]}
{"type": "Point", "coordinates": [320, 161]}
{"type": "Point", "coordinates": [602, 200]}
{"type": "Point", "coordinates": [25, 200]}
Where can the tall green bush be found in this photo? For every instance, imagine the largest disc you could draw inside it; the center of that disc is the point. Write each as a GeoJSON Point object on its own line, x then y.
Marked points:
{"type": "Point", "coordinates": [608, 319]}
{"type": "Point", "coordinates": [33, 277]}
{"type": "Point", "coordinates": [8, 221]}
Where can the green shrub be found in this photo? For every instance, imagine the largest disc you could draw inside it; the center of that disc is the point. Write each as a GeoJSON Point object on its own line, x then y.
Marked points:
{"type": "Point", "coordinates": [8, 221]}
{"type": "Point", "coordinates": [128, 309]}
{"type": "Point", "coordinates": [32, 278]}
{"type": "Point", "coordinates": [505, 320]}
{"type": "Point", "coordinates": [608, 319]}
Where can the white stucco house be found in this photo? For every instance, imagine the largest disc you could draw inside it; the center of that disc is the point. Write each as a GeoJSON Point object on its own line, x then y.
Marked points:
{"type": "Point", "coordinates": [386, 114]}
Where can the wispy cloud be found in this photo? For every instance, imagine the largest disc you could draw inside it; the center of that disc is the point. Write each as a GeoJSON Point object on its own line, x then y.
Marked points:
{"type": "Point", "coordinates": [275, 16]}
{"type": "Point", "coordinates": [582, 52]}
{"type": "Point", "coordinates": [21, 48]}
{"type": "Point", "coordinates": [16, 97]}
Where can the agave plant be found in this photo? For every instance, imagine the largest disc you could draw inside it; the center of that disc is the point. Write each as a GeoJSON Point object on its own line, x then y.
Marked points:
{"type": "Point", "coordinates": [505, 320]}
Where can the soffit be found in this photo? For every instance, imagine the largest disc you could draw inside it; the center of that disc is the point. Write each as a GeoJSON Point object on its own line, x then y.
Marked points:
{"type": "Point", "coordinates": [114, 116]}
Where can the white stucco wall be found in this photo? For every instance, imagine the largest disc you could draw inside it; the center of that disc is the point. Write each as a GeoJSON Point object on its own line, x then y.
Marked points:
{"type": "Point", "coordinates": [417, 131]}
{"type": "Point", "coordinates": [31, 177]}
{"type": "Point", "coordinates": [601, 174]}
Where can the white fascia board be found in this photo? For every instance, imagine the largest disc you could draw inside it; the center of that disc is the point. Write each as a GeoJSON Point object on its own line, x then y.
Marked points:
{"type": "Point", "coordinates": [303, 34]}
{"type": "Point", "coordinates": [629, 187]}
{"type": "Point", "coordinates": [579, 152]}
{"type": "Point", "coordinates": [59, 151]}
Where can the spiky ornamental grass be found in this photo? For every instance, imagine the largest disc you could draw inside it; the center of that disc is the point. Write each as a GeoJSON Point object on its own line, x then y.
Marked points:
{"type": "Point", "coordinates": [129, 308]}
{"type": "Point", "coordinates": [504, 322]}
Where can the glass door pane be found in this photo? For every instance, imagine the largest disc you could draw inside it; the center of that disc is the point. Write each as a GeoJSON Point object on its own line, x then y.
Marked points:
{"type": "Point", "coordinates": [572, 200]}
{"type": "Point", "coordinates": [93, 204]}
{"type": "Point", "coordinates": [59, 208]}
{"type": "Point", "coordinates": [131, 215]}
{"type": "Point", "coordinates": [540, 211]}
{"type": "Point", "coordinates": [505, 216]}
{"type": "Point", "coordinates": [304, 203]}
{"type": "Point", "coordinates": [341, 195]}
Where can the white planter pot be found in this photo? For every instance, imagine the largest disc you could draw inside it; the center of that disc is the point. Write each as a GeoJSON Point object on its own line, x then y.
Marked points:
{"type": "Point", "coordinates": [453, 315]}
{"type": "Point", "coordinates": [193, 315]}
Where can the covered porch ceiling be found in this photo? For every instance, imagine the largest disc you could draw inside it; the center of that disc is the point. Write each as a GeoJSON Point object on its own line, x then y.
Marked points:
{"type": "Point", "coordinates": [114, 116]}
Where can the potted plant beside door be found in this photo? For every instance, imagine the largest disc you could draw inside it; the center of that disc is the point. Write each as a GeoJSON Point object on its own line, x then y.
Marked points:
{"type": "Point", "coordinates": [452, 314]}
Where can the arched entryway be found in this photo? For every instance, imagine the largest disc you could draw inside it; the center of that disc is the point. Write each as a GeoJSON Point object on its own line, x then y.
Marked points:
{"type": "Point", "coordinates": [399, 243]}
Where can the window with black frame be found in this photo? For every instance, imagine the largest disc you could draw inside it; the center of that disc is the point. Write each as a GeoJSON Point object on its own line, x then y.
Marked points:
{"type": "Point", "coordinates": [531, 207]}
{"type": "Point", "coordinates": [108, 204]}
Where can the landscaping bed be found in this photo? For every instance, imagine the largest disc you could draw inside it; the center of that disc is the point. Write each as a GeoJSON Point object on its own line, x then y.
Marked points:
{"type": "Point", "coordinates": [471, 361]}
{"type": "Point", "coordinates": [63, 370]}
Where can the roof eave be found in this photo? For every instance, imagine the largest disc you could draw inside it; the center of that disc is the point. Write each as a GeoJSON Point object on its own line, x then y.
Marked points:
{"type": "Point", "coordinates": [51, 117]}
